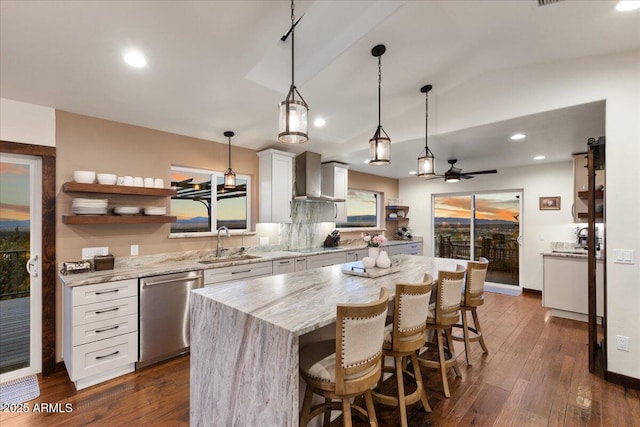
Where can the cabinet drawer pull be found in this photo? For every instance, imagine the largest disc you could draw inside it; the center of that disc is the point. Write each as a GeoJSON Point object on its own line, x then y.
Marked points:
{"type": "Point", "coordinates": [108, 355]}
{"type": "Point", "coordinates": [106, 311]}
{"type": "Point", "coordinates": [239, 272]}
{"type": "Point", "coordinates": [285, 262]}
{"type": "Point", "coordinates": [107, 329]}
{"type": "Point", "coordinates": [106, 292]}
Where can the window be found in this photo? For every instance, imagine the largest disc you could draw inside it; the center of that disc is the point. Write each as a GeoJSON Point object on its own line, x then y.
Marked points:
{"type": "Point", "coordinates": [363, 209]}
{"type": "Point", "coordinates": [200, 210]}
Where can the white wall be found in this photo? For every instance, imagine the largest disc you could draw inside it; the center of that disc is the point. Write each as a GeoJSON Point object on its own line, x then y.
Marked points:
{"type": "Point", "coordinates": [538, 227]}
{"type": "Point", "coordinates": [506, 94]}
{"type": "Point", "coordinates": [27, 123]}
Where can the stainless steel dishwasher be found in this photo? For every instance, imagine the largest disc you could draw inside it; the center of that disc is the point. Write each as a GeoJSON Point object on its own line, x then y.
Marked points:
{"type": "Point", "coordinates": [164, 315]}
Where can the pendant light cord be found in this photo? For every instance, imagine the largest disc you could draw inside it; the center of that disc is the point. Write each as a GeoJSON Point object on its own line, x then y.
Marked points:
{"type": "Point", "coordinates": [229, 152]}
{"type": "Point", "coordinates": [426, 121]}
{"type": "Point", "coordinates": [293, 17]}
{"type": "Point", "coordinates": [379, 92]}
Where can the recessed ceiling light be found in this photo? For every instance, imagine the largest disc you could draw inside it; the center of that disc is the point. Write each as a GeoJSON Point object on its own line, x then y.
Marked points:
{"type": "Point", "coordinates": [539, 157]}
{"type": "Point", "coordinates": [135, 59]}
{"type": "Point", "coordinates": [627, 5]}
{"type": "Point", "coordinates": [413, 173]}
{"type": "Point", "coordinates": [319, 122]}
{"type": "Point", "coordinates": [518, 136]}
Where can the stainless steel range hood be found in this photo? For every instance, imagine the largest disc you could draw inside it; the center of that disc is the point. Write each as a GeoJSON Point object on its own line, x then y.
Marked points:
{"type": "Point", "coordinates": [308, 184]}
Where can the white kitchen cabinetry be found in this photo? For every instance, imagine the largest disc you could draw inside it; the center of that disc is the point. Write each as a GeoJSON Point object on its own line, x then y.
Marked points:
{"type": "Point", "coordinates": [276, 186]}
{"type": "Point", "coordinates": [324, 260]}
{"type": "Point", "coordinates": [335, 180]}
{"type": "Point", "coordinates": [564, 288]}
{"type": "Point", "coordinates": [409, 248]}
{"type": "Point", "coordinates": [100, 331]}
{"type": "Point", "coordinates": [214, 276]}
{"type": "Point", "coordinates": [356, 255]}
{"type": "Point", "coordinates": [282, 266]}
{"type": "Point", "coordinates": [300, 264]}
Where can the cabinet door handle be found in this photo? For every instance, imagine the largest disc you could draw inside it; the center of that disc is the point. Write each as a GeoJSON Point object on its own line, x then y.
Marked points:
{"type": "Point", "coordinates": [107, 329]}
{"type": "Point", "coordinates": [107, 311]}
{"type": "Point", "coordinates": [285, 262]}
{"type": "Point", "coordinates": [243, 271]}
{"type": "Point", "coordinates": [289, 209]}
{"type": "Point", "coordinates": [335, 206]}
{"type": "Point", "coordinates": [108, 355]}
{"type": "Point", "coordinates": [106, 292]}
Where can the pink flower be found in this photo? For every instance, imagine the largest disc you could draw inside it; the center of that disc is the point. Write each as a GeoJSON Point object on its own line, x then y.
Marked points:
{"type": "Point", "coordinates": [367, 238]}
{"type": "Point", "coordinates": [374, 241]}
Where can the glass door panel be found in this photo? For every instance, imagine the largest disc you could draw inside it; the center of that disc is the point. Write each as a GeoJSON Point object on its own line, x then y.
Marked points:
{"type": "Point", "coordinates": [452, 226]}
{"type": "Point", "coordinates": [20, 291]}
{"type": "Point", "coordinates": [496, 230]}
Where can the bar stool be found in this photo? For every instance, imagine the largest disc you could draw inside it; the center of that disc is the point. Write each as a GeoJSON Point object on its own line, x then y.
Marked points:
{"type": "Point", "coordinates": [472, 297]}
{"type": "Point", "coordinates": [402, 339]}
{"type": "Point", "coordinates": [442, 315]}
{"type": "Point", "coordinates": [348, 366]}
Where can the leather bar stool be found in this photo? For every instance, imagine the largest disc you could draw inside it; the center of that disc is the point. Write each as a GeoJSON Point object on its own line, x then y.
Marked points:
{"type": "Point", "coordinates": [348, 366]}
{"type": "Point", "coordinates": [444, 313]}
{"type": "Point", "coordinates": [472, 297]}
{"type": "Point", "coordinates": [402, 339]}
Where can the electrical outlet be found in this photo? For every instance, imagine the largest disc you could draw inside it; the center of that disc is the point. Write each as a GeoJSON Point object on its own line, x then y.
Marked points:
{"type": "Point", "coordinates": [622, 342]}
{"type": "Point", "coordinates": [134, 250]}
{"type": "Point", "coordinates": [89, 253]}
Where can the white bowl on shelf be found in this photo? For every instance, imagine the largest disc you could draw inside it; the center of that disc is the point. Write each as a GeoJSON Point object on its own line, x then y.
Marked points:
{"type": "Point", "coordinates": [107, 178]}
{"type": "Point", "coordinates": [84, 177]}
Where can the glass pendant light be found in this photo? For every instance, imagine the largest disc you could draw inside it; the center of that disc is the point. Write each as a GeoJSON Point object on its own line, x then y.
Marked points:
{"type": "Point", "coordinates": [380, 144]}
{"type": "Point", "coordinates": [229, 175]}
{"type": "Point", "coordinates": [426, 161]}
{"type": "Point", "coordinates": [292, 123]}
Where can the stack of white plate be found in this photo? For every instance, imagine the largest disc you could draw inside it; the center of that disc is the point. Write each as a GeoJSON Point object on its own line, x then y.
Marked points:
{"type": "Point", "coordinates": [126, 210]}
{"type": "Point", "coordinates": [89, 206]}
{"type": "Point", "coordinates": [155, 210]}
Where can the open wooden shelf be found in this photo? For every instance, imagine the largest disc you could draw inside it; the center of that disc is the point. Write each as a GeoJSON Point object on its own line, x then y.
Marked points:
{"type": "Point", "coordinates": [585, 215]}
{"type": "Point", "coordinates": [585, 194]}
{"type": "Point", "coordinates": [76, 187]}
{"type": "Point", "coordinates": [117, 219]}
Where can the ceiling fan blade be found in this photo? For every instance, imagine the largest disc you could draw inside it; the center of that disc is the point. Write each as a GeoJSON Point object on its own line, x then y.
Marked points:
{"type": "Point", "coordinates": [455, 170]}
{"type": "Point", "coordinates": [481, 172]}
{"type": "Point", "coordinates": [465, 176]}
{"type": "Point", "coordinates": [428, 178]}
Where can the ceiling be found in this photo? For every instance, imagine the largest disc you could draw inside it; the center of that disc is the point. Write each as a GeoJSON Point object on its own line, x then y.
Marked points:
{"type": "Point", "coordinates": [220, 65]}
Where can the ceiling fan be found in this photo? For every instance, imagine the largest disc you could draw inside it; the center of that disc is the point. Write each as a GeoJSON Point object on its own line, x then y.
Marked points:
{"type": "Point", "coordinates": [455, 174]}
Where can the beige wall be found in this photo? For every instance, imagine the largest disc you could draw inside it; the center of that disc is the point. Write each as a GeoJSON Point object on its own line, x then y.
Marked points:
{"type": "Point", "coordinates": [87, 143]}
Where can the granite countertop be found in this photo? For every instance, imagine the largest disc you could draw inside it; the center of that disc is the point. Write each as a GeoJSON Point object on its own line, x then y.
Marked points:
{"type": "Point", "coordinates": [570, 255]}
{"type": "Point", "coordinates": [307, 300]}
{"type": "Point", "coordinates": [151, 265]}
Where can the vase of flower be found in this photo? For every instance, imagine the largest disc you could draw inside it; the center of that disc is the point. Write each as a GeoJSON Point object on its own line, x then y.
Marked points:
{"type": "Point", "coordinates": [374, 252]}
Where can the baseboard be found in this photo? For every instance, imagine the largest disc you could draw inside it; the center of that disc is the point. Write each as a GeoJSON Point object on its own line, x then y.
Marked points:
{"type": "Point", "coordinates": [531, 291]}
{"type": "Point", "coordinates": [622, 380]}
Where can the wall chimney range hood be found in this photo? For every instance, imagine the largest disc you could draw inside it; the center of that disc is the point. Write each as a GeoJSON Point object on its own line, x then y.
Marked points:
{"type": "Point", "coordinates": [308, 179]}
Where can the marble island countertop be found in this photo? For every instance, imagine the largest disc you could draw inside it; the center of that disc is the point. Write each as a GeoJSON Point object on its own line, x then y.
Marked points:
{"type": "Point", "coordinates": [151, 265]}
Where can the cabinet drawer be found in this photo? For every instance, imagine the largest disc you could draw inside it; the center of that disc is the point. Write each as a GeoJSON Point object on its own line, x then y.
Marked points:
{"type": "Point", "coordinates": [282, 266]}
{"type": "Point", "coordinates": [413, 249]}
{"type": "Point", "coordinates": [301, 264]}
{"type": "Point", "coordinates": [324, 260]}
{"type": "Point", "coordinates": [83, 334]}
{"type": "Point", "coordinates": [99, 311]}
{"type": "Point", "coordinates": [237, 272]}
{"type": "Point", "coordinates": [100, 356]}
{"type": "Point", "coordinates": [108, 291]}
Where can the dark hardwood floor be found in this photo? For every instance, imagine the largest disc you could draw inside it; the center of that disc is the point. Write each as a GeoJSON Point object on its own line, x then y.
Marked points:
{"type": "Point", "coordinates": [534, 375]}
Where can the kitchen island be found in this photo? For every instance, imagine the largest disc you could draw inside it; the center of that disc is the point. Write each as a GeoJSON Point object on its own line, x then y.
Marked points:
{"type": "Point", "coordinates": [246, 335]}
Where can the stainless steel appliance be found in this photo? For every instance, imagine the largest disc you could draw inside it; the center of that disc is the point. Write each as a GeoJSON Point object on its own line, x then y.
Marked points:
{"type": "Point", "coordinates": [164, 315]}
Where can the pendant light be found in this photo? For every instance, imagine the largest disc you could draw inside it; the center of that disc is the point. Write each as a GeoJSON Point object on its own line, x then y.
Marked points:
{"type": "Point", "coordinates": [379, 145]}
{"type": "Point", "coordinates": [229, 175]}
{"type": "Point", "coordinates": [426, 166]}
{"type": "Point", "coordinates": [292, 121]}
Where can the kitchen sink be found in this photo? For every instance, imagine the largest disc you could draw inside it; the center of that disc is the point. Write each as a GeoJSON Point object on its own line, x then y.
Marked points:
{"type": "Point", "coordinates": [229, 259]}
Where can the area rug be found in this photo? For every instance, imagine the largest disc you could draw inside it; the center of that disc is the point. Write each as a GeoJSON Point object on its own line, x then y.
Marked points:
{"type": "Point", "coordinates": [19, 390]}
{"type": "Point", "coordinates": [513, 292]}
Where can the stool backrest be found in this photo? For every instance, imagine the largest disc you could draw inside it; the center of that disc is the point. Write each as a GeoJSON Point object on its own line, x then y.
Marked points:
{"type": "Point", "coordinates": [359, 338]}
{"type": "Point", "coordinates": [411, 306]}
{"type": "Point", "coordinates": [474, 285]}
{"type": "Point", "coordinates": [448, 301]}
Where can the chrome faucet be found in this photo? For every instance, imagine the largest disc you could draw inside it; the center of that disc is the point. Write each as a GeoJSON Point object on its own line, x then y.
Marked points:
{"type": "Point", "coordinates": [226, 230]}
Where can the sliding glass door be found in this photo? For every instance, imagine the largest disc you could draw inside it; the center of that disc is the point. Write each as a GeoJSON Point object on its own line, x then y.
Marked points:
{"type": "Point", "coordinates": [20, 278]}
{"type": "Point", "coordinates": [470, 226]}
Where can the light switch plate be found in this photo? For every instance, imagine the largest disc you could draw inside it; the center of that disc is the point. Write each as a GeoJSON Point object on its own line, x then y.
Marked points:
{"type": "Point", "coordinates": [623, 256]}
{"type": "Point", "coordinates": [89, 253]}
{"type": "Point", "coordinates": [134, 250]}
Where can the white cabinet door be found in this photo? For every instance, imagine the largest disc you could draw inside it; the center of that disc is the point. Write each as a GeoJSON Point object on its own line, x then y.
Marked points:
{"type": "Point", "coordinates": [356, 255]}
{"type": "Point", "coordinates": [301, 264]}
{"type": "Point", "coordinates": [324, 260]}
{"type": "Point", "coordinates": [565, 284]}
{"type": "Point", "coordinates": [335, 181]}
{"type": "Point", "coordinates": [276, 186]}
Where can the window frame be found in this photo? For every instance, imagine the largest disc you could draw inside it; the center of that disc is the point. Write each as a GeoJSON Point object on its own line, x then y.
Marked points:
{"type": "Point", "coordinates": [214, 206]}
{"type": "Point", "coordinates": [379, 212]}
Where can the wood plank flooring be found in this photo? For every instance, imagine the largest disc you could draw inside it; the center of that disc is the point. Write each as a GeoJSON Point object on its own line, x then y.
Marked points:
{"type": "Point", "coordinates": [536, 374]}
